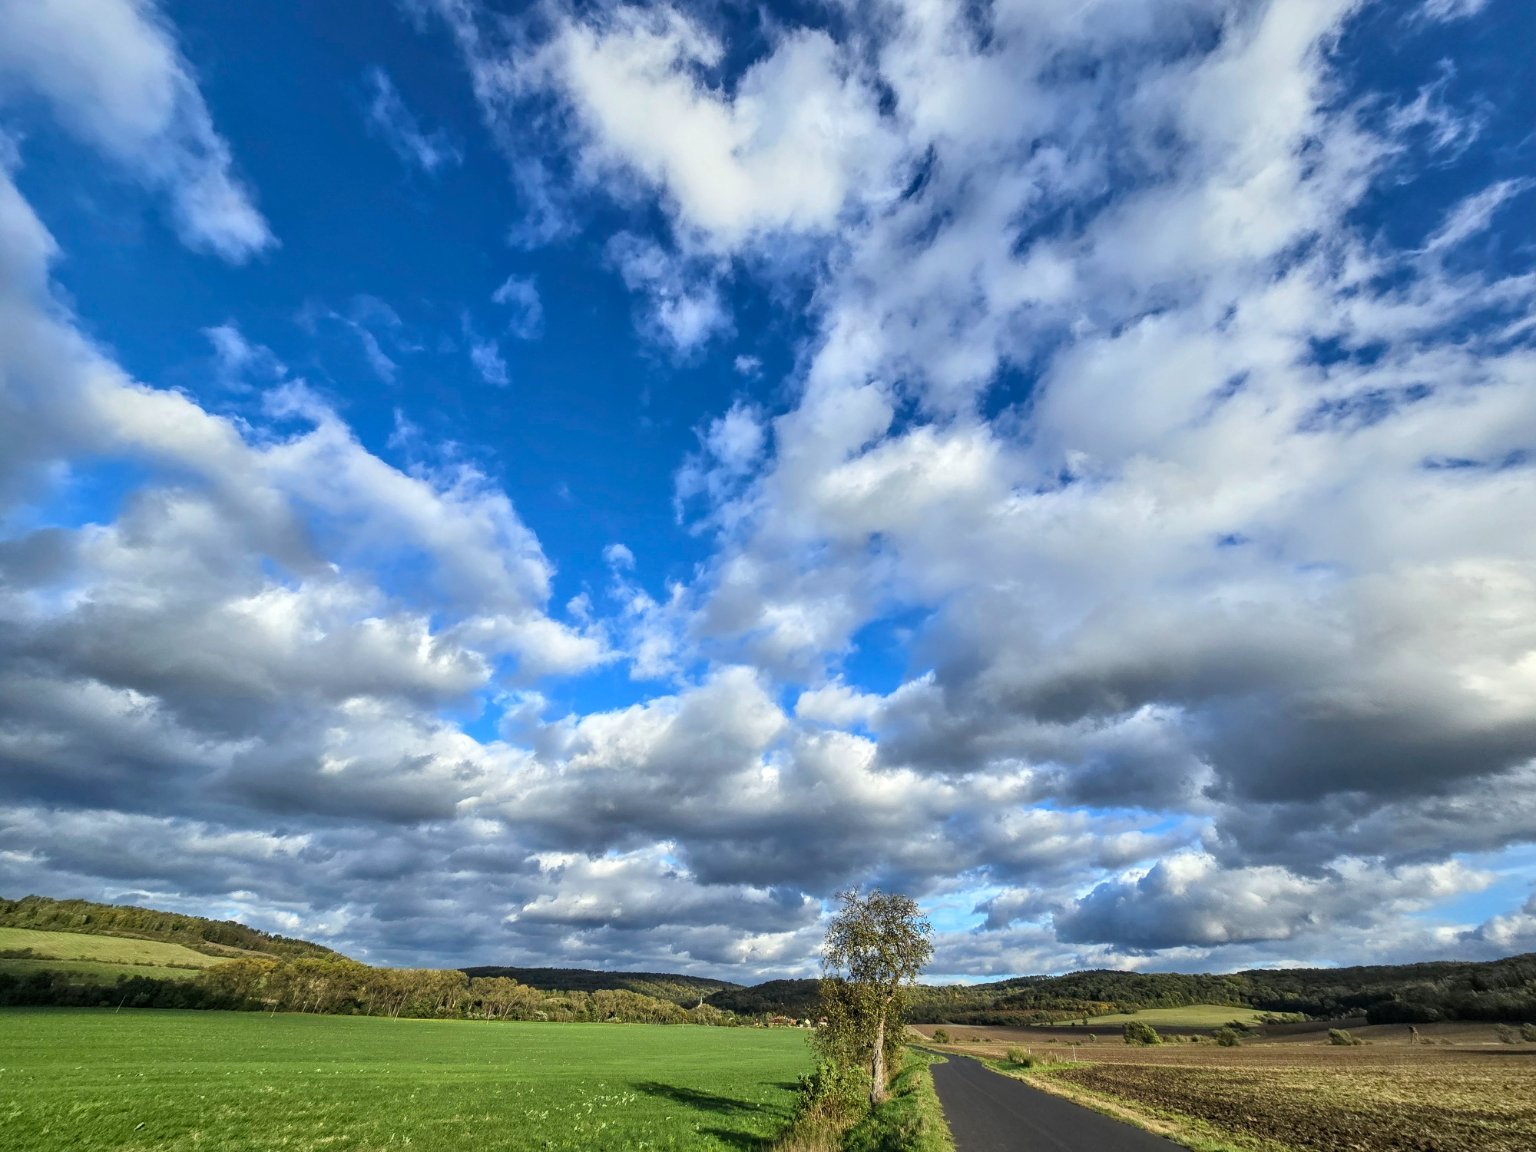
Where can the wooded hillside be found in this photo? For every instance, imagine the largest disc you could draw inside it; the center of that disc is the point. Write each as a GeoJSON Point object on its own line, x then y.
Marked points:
{"type": "Point", "coordinates": [214, 937]}
{"type": "Point", "coordinates": [686, 991]}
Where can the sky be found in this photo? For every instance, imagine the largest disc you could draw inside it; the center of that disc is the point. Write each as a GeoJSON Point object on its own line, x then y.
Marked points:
{"type": "Point", "coordinates": [583, 483]}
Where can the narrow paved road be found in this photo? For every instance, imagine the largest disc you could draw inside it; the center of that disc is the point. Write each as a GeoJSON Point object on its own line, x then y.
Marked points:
{"type": "Point", "coordinates": [992, 1113]}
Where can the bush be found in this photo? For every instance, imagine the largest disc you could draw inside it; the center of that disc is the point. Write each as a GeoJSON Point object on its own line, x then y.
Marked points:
{"type": "Point", "coordinates": [1342, 1036]}
{"type": "Point", "coordinates": [940, 1036]}
{"type": "Point", "coordinates": [1505, 1033]}
{"type": "Point", "coordinates": [1140, 1032]}
{"type": "Point", "coordinates": [1528, 1031]}
{"type": "Point", "coordinates": [1227, 1037]}
{"type": "Point", "coordinates": [1020, 1058]}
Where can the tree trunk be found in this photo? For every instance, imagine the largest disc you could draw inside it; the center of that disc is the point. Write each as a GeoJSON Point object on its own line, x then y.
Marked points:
{"type": "Point", "coordinates": [877, 1073]}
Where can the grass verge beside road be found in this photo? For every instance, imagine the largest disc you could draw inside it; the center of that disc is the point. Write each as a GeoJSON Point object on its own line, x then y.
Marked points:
{"type": "Point", "coordinates": [910, 1120]}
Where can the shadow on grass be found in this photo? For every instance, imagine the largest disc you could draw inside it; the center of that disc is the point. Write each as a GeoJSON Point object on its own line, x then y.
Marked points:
{"type": "Point", "coordinates": [741, 1140]}
{"type": "Point", "coordinates": [694, 1098]}
{"type": "Point", "coordinates": [716, 1104]}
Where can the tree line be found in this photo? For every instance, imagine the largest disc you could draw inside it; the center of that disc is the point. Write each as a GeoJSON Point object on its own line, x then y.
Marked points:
{"type": "Point", "coordinates": [1384, 994]}
{"type": "Point", "coordinates": [335, 985]}
{"type": "Point", "coordinates": [684, 990]}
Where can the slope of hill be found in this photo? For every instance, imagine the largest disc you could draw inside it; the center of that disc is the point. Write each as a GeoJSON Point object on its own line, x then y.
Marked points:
{"type": "Point", "coordinates": [685, 991]}
{"type": "Point", "coordinates": [33, 944]}
{"type": "Point", "coordinates": [210, 937]}
{"type": "Point", "coordinates": [797, 998]}
{"type": "Point", "coordinates": [1401, 993]}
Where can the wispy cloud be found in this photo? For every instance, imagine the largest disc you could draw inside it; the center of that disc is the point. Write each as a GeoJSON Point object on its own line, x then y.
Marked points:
{"type": "Point", "coordinates": [113, 74]}
{"type": "Point", "coordinates": [520, 296]}
{"type": "Point", "coordinates": [1474, 214]}
{"type": "Point", "coordinates": [397, 125]}
{"type": "Point", "coordinates": [683, 307]}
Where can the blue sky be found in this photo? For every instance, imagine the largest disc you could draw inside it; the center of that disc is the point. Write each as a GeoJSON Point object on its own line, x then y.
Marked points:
{"type": "Point", "coordinates": [581, 484]}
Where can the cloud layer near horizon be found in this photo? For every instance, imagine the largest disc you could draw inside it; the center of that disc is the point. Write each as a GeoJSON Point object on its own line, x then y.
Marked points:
{"type": "Point", "coordinates": [1194, 499]}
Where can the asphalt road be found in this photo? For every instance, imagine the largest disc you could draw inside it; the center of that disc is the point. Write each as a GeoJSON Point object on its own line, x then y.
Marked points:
{"type": "Point", "coordinates": [992, 1113]}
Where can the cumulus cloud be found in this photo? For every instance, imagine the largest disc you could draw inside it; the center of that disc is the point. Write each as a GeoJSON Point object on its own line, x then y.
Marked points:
{"type": "Point", "coordinates": [113, 75]}
{"type": "Point", "coordinates": [798, 139]}
{"type": "Point", "coordinates": [1188, 899]}
{"type": "Point", "coordinates": [267, 631]}
{"type": "Point", "coordinates": [1192, 502]}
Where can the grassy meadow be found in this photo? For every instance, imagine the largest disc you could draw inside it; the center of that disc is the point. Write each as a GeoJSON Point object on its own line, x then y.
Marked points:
{"type": "Point", "coordinates": [248, 1082]}
{"type": "Point", "coordinates": [97, 959]}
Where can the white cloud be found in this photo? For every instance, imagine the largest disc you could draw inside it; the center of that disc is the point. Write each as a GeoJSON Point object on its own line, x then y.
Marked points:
{"type": "Point", "coordinates": [237, 357]}
{"type": "Point", "coordinates": [488, 361]}
{"type": "Point", "coordinates": [683, 306]}
{"type": "Point", "coordinates": [520, 294]}
{"type": "Point", "coordinates": [1448, 10]}
{"type": "Point", "coordinates": [1474, 214]}
{"type": "Point", "coordinates": [837, 705]}
{"type": "Point", "coordinates": [1187, 899]}
{"type": "Point", "coordinates": [397, 124]}
{"type": "Point", "coordinates": [113, 75]}
{"type": "Point", "coordinates": [798, 140]}
{"type": "Point", "coordinates": [373, 322]}
{"type": "Point", "coordinates": [1216, 627]}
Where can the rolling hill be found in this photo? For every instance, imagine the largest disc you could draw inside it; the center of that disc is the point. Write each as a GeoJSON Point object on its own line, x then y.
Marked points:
{"type": "Point", "coordinates": [227, 938]}
{"type": "Point", "coordinates": [99, 942]}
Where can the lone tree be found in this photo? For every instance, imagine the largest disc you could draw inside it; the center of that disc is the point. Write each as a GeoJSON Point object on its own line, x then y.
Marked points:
{"type": "Point", "coordinates": [875, 947]}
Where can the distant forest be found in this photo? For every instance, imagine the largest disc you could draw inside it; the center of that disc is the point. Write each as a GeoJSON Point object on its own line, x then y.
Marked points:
{"type": "Point", "coordinates": [1402, 993]}
{"type": "Point", "coordinates": [277, 973]}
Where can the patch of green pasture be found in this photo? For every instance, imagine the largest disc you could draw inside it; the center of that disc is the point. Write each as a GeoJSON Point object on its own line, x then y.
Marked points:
{"type": "Point", "coordinates": [93, 971]}
{"type": "Point", "coordinates": [104, 949]}
{"type": "Point", "coordinates": [1189, 1016]}
{"type": "Point", "coordinates": [167, 1081]}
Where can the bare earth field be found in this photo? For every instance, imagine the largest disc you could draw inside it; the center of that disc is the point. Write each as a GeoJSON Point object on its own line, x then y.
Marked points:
{"type": "Point", "coordinates": [1473, 1094]}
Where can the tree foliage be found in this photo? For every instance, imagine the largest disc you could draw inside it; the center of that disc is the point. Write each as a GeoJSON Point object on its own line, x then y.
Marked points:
{"type": "Point", "coordinates": [876, 946]}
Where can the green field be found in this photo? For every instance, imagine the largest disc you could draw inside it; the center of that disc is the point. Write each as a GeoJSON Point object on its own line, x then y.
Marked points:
{"type": "Point", "coordinates": [94, 971]}
{"type": "Point", "coordinates": [101, 949]}
{"type": "Point", "coordinates": [1190, 1016]}
{"type": "Point", "coordinates": [97, 1079]}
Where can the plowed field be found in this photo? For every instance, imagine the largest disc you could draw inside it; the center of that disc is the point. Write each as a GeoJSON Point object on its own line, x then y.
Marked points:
{"type": "Point", "coordinates": [1462, 1091]}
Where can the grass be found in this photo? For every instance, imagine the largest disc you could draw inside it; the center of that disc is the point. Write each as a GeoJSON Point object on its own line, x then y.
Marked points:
{"type": "Point", "coordinates": [243, 1082]}
{"type": "Point", "coordinates": [93, 971]}
{"type": "Point", "coordinates": [101, 949]}
{"type": "Point", "coordinates": [911, 1119]}
{"type": "Point", "coordinates": [1189, 1016]}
